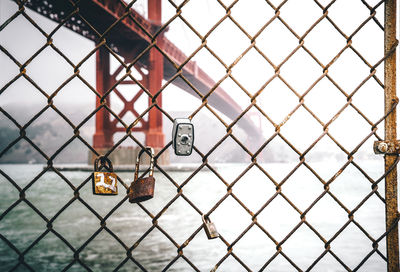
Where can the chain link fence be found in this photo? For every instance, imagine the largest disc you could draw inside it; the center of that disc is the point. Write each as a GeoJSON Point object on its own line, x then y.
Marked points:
{"type": "Point", "coordinates": [274, 227]}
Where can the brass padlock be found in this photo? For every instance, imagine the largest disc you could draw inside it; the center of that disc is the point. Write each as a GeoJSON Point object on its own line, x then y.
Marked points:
{"type": "Point", "coordinates": [209, 228]}
{"type": "Point", "coordinates": [104, 183]}
{"type": "Point", "coordinates": [142, 189]}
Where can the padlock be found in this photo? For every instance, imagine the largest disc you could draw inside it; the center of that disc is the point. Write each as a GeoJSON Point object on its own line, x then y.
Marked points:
{"type": "Point", "coordinates": [209, 228]}
{"type": "Point", "coordinates": [142, 189]}
{"type": "Point", "coordinates": [104, 183]}
{"type": "Point", "coordinates": [183, 136]}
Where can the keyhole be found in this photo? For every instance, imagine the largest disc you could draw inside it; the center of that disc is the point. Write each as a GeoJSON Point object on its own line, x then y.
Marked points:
{"type": "Point", "coordinates": [184, 139]}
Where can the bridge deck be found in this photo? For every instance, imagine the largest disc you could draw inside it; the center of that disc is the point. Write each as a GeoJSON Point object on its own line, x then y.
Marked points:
{"type": "Point", "coordinates": [129, 37]}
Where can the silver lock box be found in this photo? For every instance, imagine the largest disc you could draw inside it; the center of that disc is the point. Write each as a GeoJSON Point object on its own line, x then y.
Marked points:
{"type": "Point", "coordinates": [183, 136]}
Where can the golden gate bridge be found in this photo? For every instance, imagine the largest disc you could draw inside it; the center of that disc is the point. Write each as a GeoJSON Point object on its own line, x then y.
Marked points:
{"type": "Point", "coordinates": [141, 42]}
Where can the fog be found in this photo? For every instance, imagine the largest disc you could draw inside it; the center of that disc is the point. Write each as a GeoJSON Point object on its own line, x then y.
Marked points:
{"type": "Point", "coordinates": [300, 76]}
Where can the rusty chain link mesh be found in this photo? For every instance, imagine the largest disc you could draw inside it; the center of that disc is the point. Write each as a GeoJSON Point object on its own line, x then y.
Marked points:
{"type": "Point", "coordinates": [326, 242]}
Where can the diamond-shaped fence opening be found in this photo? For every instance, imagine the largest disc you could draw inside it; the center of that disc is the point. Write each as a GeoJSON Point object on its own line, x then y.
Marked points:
{"type": "Point", "coordinates": [278, 224]}
{"type": "Point", "coordinates": [73, 46]}
{"type": "Point", "coordinates": [49, 64]}
{"type": "Point", "coordinates": [27, 93]}
{"type": "Point", "coordinates": [112, 251]}
{"type": "Point", "coordinates": [225, 35]}
{"type": "Point", "coordinates": [155, 243]}
{"type": "Point", "coordinates": [255, 247]}
{"type": "Point", "coordinates": [75, 111]}
{"type": "Point", "coordinates": [334, 42]}
{"type": "Point", "coordinates": [49, 204]}
{"type": "Point", "coordinates": [302, 188]}
{"type": "Point", "coordinates": [191, 100]}
{"type": "Point", "coordinates": [309, 243]}
{"type": "Point", "coordinates": [351, 180]}
{"type": "Point", "coordinates": [252, 77]}
{"type": "Point", "coordinates": [254, 199]}
{"type": "Point", "coordinates": [57, 251]}
{"type": "Point", "coordinates": [277, 100]}
{"type": "Point", "coordinates": [22, 233]}
{"type": "Point", "coordinates": [287, 101]}
{"type": "Point", "coordinates": [214, 12]}
{"type": "Point", "coordinates": [231, 218]}
{"type": "Point", "coordinates": [211, 252]}
{"type": "Point", "coordinates": [21, 27]}
{"type": "Point", "coordinates": [327, 224]}
{"type": "Point", "coordinates": [182, 32]}
{"type": "Point", "coordinates": [372, 208]}
{"type": "Point", "coordinates": [319, 100]}
{"type": "Point", "coordinates": [252, 24]}
{"type": "Point", "coordinates": [342, 248]}
{"type": "Point", "coordinates": [291, 75]}
{"type": "Point", "coordinates": [204, 190]}
{"type": "Point", "coordinates": [349, 71]}
{"type": "Point", "coordinates": [299, 24]}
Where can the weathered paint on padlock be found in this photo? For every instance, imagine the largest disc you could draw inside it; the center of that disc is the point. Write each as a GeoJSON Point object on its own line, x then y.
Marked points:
{"type": "Point", "coordinates": [209, 228]}
{"type": "Point", "coordinates": [142, 189]}
{"type": "Point", "coordinates": [104, 183]}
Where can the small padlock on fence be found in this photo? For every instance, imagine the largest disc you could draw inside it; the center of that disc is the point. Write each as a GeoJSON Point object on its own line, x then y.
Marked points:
{"type": "Point", "coordinates": [104, 183]}
{"type": "Point", "coordinates": [209, 228]}
{"type": "Point", "coordinates": [142, 189]}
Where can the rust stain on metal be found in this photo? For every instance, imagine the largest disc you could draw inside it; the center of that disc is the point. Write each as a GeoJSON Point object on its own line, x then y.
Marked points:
{"type": "Point", "coordinates": [387, 147]}
{"type": "Point", "coordinates": [392, 238]}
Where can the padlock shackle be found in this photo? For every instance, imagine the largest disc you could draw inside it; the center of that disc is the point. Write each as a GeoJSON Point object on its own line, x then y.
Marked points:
{"type": "Point", "coordinates": [151, 151]}
{"type": "Point", "coordinates": [205, 219]}
{"type": "Point", "coordinates": [103, 164]}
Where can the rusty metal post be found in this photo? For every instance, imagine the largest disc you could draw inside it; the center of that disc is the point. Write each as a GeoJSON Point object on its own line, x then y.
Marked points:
{"type": "Point", "coordinates": [392, 239]}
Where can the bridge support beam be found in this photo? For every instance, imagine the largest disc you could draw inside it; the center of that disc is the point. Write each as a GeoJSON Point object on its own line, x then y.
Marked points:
{"type": "Point", "coordinates": [105, 128]}
{"type": "Point", "coordinates": [155, 135]}
{"type": "Point", "coordinates": [152, 81]}
{"type": "Point", "coordinates": [103, 133]}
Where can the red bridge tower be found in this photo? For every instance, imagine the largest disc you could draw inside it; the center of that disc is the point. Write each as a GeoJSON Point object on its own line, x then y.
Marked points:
{"type": "Point", "coordinates": [152, 81]}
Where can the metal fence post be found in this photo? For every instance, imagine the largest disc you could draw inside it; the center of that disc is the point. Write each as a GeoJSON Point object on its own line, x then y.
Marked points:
{"type": "Point", "coordinates": [392, 239]}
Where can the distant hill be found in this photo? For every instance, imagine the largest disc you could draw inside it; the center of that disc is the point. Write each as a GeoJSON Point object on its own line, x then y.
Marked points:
{"type": "Point", "coordinates": [49, 132]}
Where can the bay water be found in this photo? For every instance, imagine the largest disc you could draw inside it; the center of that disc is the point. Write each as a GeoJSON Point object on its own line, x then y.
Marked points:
{"type": "Point", "coordinates": [76, 224]}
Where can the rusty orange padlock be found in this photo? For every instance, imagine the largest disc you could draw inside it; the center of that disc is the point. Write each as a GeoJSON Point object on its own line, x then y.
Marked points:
{"type": "Point", "coordinates": [104, 183]}
{"type": "Point", "coordinates": [142, 189]}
